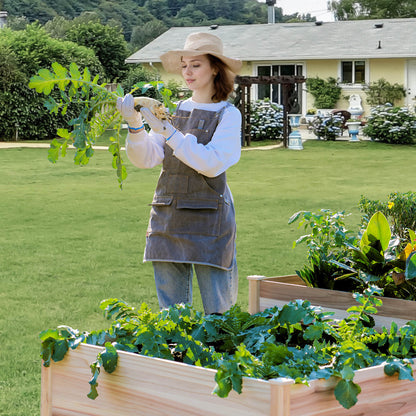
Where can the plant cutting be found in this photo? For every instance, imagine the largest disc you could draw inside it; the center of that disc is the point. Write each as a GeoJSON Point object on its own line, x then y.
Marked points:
{"type": "Point", "coordinates": [296, 341]}
{"type": "Point", "coordinates": [97, 111]}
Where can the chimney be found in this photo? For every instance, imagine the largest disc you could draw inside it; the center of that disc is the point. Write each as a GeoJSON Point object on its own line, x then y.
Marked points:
{"type": "Point", "coordinates": [3, 19]}
{"type": "Point", "coordinates": [270, 11]}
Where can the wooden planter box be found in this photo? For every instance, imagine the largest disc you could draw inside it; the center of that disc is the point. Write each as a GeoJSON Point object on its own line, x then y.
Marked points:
{"type": "Point", "coordinates": [265, 292]}
{"type": "Point", "coordinates": [144, 386]}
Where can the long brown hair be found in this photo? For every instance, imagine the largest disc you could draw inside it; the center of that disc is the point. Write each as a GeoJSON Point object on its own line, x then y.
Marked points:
{"type": "Point", "coordinates": [223, 81]}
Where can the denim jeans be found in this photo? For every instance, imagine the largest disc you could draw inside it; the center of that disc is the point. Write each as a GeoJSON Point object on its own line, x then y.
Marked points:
{"type": "Point", "coordinates": [218, 287]}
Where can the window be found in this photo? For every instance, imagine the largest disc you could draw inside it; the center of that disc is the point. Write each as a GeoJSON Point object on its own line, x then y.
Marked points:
{"type": "Point", "coordinates": [274, 92]}
{"type": "Point", "coordinates": [353, 72]}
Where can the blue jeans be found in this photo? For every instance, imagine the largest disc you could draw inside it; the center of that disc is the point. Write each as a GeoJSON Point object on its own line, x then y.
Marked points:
{"type": "Point", "coordinates": [218, 287]}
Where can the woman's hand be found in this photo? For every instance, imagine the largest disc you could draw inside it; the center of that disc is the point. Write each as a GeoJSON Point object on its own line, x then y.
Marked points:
{"type": "Point", "coordinates": [125, 106]}
{"type": "Point", "coordinates": [162, 127]}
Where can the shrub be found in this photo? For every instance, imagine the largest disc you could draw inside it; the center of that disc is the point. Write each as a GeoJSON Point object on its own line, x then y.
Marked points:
{"type": "Point", "coordinates": [325, 92]}
{"type": "Point", "coordinates": [388, 124]}
{"type": "Point", "coordinates": [381, 92]}
{"type": "Point", "coordinates": [399, 208]}
{"type": "Point", "coordinates": [328, 127]}
{"type": "Point", "coordinates": [266, 120]}
{"type": "Point", "coordinates": [22, 54]}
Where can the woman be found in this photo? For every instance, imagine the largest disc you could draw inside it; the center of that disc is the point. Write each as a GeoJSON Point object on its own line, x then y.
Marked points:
{"type": "Point", "coordinates": [192, 219]}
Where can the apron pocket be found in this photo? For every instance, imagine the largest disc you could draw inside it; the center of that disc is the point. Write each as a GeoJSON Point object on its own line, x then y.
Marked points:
{"type": "Point", "coordinates": [198, 216]}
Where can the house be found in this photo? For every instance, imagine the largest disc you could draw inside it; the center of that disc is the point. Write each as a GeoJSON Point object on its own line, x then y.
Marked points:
{"type": "Point", "coordinates": [354, 52]}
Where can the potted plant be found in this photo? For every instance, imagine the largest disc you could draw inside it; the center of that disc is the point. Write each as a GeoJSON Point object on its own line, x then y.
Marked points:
{"type": "Point", "coordinates": [310, 115]}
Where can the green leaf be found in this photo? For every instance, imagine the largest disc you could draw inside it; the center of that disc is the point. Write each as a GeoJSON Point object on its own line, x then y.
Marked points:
{"type": "Point", "coordinates": [93, 394]}
{"type": "Point", "coordinates": [294, 217]}
{"type": "Point", "coordinates": [109, 358]}
{"type": "Point", "coordinates": [53, 152]}
{"type": "Point", "coordinates": [398, 366]}
{"type": "Point", "coordinates": [346, 392]}
{"type": "Point", "coordinates": [291, 313]}
{"type": "Point", "coordinates": [59, 350]}
{"type": "Point", "coordinates": [224, 384]}
{"type": "Point", "coordinates": [410, 272]}
{"type": "Point", "coordinates": [61, 75]}
{"type": "Point", "coordinates": [379, 229]}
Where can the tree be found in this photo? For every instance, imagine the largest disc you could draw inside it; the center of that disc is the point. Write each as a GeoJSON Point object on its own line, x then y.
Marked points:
{"type": "Point", "coordinates": [373, 9]}
{"type": "Point", "coordinates": [144, 34]}
{"type": "Point", "coordinates": [22, 54]}
{"type": "Point", "coordinates": [107, 42]}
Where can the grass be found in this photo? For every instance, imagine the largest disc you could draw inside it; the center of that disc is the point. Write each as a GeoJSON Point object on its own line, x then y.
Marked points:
{"type": "Point", "coordinates": [70, 238]}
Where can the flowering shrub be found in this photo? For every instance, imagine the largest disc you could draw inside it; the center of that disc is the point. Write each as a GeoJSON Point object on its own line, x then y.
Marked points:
{"type": "Point", "coordinates": [388, 124]}
{"type": "Point", "coordinates": [399, 208]}
{"type": "Point", "coordinates": [266, 120]}
{"type": "Point", "coordinates": [328, 127]}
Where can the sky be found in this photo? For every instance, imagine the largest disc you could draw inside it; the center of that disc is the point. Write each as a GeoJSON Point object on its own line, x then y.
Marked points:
{"type": "Point", "coordinates": [316, 8]}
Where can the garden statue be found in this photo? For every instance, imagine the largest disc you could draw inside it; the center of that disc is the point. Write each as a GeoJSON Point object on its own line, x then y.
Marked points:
{"type": "Point", "coordinates": [355, 107]}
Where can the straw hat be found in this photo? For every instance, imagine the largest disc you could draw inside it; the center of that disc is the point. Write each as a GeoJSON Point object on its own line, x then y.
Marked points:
{"type": "Point", "coordinates": [198, 44]}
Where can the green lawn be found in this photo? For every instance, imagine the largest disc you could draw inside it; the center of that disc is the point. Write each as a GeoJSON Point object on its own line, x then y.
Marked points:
{"type": "Point", "coordinates": [70, 238]}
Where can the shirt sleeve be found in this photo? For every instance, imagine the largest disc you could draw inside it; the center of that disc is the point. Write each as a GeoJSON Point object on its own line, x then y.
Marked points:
{"type": "Point", "coordinates": [145, 150]}
{"type": "Point", "coordinates": [219, 154]}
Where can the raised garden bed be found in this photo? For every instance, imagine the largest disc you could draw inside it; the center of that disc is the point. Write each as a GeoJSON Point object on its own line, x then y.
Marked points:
{"type": "Point", "coordinates": [265, 292]}
{"type": "Point", "coordinates": [157, 387]}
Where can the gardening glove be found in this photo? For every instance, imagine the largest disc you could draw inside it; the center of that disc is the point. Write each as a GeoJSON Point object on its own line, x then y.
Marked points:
{"type": "Point", "coordinates": [162, 127]}
{"type": "Point", "coordinates": [125, 106]}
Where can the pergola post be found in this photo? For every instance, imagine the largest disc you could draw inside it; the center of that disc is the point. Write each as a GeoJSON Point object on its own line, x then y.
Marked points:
{"type": "Point", "coordinates": [245, 82]}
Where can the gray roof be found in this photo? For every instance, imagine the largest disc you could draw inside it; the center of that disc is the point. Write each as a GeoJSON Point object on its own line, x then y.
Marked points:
{"type": "Point", "coordinates": [295, 41]}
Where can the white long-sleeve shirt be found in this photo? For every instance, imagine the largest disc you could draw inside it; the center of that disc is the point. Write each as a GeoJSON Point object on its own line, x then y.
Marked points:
{"type": "Point", "coordinates": [146, 150]}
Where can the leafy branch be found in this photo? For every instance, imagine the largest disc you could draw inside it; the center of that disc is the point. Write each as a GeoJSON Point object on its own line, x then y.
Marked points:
{"type": "Point", "coordinates": [97, 112]}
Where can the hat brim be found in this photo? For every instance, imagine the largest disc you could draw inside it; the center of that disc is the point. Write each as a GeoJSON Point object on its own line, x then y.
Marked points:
{"type": "Point", "coordinates": [171, 60]}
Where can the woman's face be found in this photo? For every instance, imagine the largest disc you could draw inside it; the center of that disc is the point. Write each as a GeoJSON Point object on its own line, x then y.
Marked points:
{"type": "Point", "coordinates": [198, 73]}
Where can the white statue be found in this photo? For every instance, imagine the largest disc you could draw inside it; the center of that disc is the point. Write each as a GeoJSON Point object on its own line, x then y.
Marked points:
{"type": "Point", "coordinates": [355, 108]}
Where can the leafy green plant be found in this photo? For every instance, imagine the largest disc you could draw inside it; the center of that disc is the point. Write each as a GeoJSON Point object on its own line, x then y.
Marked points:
{"type": "Point", "coordinates": [382, 92]}
{"type": "Point", "coordinates": [297, 341]}
{"type": "Point", "coordinates": [327, 242]}
{"type": "Point", "coordinates": [98, 112]}
{"type": "Point", "coordinates": [376, 257]}
{"type": "Point", "coordinates": [390, 124]}
{"type": "Point", "coordinates": [266, 120]}
{"type": "Point", "coordinates": [326, 93]}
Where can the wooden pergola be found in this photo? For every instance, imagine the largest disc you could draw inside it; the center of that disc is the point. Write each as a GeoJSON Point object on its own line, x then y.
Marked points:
{"type": "Point", "coordinates": [243, 99]}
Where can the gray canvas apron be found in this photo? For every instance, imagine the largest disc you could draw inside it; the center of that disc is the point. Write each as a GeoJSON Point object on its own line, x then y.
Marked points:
{"type": "Point", "coordinates": [192, 218]}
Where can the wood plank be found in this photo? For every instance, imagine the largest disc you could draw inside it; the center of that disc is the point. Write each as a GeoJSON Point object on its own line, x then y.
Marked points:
{"type": "Point", "coordinates": [143, 386]}
{"type": "Point", "coordinates": [280, 289]}
{"type": "Point", "coordinates": [151, 386]}
{"type": "Point", "coordinates": [380, 395]}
